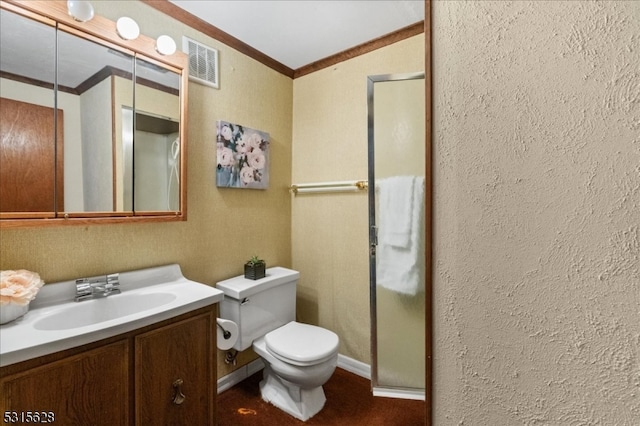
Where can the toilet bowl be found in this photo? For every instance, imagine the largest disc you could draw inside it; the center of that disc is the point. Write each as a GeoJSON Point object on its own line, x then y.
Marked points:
{"type": "Point", "coordinates": [294, 384]}
{"type": "Point", "coordinates": [299, 358]}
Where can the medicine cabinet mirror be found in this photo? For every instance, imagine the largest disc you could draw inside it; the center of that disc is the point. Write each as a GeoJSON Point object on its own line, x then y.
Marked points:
{"type": "Point", "coordinates": [92, 126]}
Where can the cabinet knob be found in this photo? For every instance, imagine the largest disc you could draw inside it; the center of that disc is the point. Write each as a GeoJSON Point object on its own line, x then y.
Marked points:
{"type": "Point", "coordinates": [178, 397]}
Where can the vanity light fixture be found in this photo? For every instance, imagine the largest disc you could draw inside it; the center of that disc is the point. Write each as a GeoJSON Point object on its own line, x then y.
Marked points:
{"type": "Point", "coordinates": [127, 28]}
{"type": "Point", "coordinates": [80, 10]}
{"type": "Point", "coordinates": [165, 45]}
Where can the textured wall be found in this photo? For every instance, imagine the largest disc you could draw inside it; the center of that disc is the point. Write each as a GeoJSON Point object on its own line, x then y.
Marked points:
{"type": "Point", "coordinates": [537, 251]}
{"type": "Point", "coordinates": [225, 226]}
{"type": "Point", "coordinates": [330, 231]}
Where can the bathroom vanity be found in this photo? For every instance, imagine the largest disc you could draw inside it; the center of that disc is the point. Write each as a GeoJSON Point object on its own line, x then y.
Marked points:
{"type": "Point", "coordinates": [156, 366]}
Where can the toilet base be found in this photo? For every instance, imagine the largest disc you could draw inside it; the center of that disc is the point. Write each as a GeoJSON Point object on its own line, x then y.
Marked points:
{"type": "Point", "coordinates": [300, 403]}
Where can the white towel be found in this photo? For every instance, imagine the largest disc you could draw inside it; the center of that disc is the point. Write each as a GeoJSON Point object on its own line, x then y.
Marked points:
{"type": "Point", "coordinates": [395, 206]}
{"type": "Point", "coordinates": [400, 267]}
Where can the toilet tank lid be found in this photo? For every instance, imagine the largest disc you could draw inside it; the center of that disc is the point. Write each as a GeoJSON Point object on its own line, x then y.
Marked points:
{"type": "Point", "coordinates": [240, 287]}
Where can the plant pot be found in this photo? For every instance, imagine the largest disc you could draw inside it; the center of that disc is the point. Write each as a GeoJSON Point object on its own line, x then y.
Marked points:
{"type": "Point", "coordinates": [254, 272]}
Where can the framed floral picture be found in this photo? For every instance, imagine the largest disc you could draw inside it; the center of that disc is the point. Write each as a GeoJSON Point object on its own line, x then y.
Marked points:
{"type": "Point", "coordinates": [243, 157]}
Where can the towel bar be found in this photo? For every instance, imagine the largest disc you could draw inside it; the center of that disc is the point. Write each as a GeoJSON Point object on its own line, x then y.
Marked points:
{"type": "Point", "coordinates": [339, 186]}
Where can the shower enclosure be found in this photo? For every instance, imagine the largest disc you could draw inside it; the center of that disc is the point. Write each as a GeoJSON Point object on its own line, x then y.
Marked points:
{"type": "Point", "coordinates": [151, 165]}
{"type": "Point", "coordinates": [396, 137]}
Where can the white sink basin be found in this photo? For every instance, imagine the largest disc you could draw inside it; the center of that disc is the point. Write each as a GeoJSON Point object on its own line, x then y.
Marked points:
{"type": "Point", "coordinates": [96, 311]}
{"type": "Point", "coordinates": [56, 322]}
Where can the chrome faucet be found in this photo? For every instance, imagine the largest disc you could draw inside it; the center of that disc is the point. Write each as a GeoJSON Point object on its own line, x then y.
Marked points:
{"type": "Point", "coordinates": [91, 288]}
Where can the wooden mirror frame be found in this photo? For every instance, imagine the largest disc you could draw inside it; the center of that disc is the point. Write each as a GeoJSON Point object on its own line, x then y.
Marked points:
{"type": "Point", "coordinates": [102, 30]}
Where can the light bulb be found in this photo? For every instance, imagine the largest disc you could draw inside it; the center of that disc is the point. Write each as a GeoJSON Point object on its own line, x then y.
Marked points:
{"type": "Point", "coordinates": [127, 28]}
{"type": "Point", "coordinates": [80, 10]}
{"type": "Point", "coordinates": [165, 45]}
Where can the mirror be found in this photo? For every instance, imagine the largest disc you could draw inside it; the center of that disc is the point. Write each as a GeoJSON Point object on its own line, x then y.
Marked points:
{"type": "Point", "coordinates": [91, 88]}
{"type": "Point", "coordinates": [156, 153]}
{"type": "Point", "coordinates": [109, 141]}
{"type": "Point", "coordinates": [27, 118]}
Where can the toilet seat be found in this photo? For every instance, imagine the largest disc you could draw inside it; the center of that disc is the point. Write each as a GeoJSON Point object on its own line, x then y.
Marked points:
{"type": "Point", "coordinates": [302, 344]}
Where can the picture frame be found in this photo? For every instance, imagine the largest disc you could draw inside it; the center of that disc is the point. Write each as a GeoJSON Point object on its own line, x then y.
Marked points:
{"type": "Point", "coordinates": [242, 157]}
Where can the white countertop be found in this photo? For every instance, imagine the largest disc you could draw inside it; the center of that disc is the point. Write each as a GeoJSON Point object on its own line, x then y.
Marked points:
{"type": "Point", "coordinates": [25, 337]}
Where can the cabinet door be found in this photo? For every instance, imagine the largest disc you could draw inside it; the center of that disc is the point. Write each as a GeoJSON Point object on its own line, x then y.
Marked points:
{"type": "Point", "coordinates": [87, 389]}
{"type": "Point", "coordinates": [174, 374]}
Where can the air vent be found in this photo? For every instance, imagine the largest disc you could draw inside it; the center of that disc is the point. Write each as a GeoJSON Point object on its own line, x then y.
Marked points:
{"type": "Point", "coordinates": [203, 62]}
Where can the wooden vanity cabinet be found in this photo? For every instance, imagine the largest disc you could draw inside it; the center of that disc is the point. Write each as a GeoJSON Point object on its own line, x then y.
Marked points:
{"type": "Point", "coordinates": [174, 380]}
{"type": "Point", "coordinates": [163, 374]}
{"type": "Point", "coordinates": [88, 388]}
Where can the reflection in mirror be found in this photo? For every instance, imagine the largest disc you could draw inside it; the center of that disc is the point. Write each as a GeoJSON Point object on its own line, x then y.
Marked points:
{"type": "Point", "coordinates": [156, 139]}
{"type": "Point", "coordinates": [157, 168]}
{"type": "Point", "coordinates": [93, 86]}
{"type": "Point", "coordinates": [74, 124]}
{"type": "Point", "coordinates": [28, 152]}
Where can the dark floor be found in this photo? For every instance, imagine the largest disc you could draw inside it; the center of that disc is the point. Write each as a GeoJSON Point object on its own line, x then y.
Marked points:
{"type": "Point", "coordinates": [349, 402]}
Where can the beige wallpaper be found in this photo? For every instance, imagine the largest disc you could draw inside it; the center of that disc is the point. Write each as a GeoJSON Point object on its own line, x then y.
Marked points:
{"type": "Point", "coordinates": [330, 244]}
{"type": "Point", "coordinates": [225, 226]}
{"type": "Point", "coordinates": [537, 250]}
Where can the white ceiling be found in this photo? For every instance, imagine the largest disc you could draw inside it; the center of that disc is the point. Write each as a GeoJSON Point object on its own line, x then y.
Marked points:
{"type": "Point", "coordinates": [299, 32]}
{"type": "Point", "coordinates": [28, 49]}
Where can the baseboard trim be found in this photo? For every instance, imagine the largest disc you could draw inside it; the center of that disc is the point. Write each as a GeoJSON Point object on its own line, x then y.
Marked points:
{"type": "Point", "coordinates": [356, 367]}
{"type": "Point", "coordinates": [230, 380]}
{"type": "Point", "coordinates": [235, 377]}
{"type": "Point", "coordinates": [399, 393]}
{"type": "Point", "coordinates": [364, 370]}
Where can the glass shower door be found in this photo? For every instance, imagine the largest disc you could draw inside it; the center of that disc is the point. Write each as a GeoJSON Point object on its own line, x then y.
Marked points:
{"type": "Point", "coordinates": [397, 231]}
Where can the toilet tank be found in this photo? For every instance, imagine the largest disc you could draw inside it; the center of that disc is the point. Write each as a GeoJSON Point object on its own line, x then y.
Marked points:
{"type": "Point", "coordinates": [259, 306]}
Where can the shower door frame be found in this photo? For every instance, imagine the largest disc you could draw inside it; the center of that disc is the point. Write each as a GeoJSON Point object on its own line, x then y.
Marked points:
{"type": "Point", "coordinates": [373, 242]}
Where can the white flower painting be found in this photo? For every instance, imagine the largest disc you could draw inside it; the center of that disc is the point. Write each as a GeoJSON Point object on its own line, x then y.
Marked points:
{"type": "Point", "coordinates": [242, 157]}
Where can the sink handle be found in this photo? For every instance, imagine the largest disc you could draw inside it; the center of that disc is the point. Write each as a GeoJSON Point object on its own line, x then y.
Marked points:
{"type": "Point", "coordinates": [178, 397]}
{"type": "Point", "coordinates": [89, 288]}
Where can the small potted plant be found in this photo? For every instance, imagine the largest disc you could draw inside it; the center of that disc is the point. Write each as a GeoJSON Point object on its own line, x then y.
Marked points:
{"type": "Point", "coordinates": [254, 269]}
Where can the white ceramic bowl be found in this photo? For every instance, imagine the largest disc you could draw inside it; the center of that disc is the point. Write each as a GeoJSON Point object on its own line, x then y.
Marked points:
{"type": "Point", "coordinates": [12, 311]}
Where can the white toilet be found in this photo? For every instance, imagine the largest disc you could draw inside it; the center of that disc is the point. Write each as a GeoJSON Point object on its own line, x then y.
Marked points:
{"type": "Point", "coordinates": [299, 358]}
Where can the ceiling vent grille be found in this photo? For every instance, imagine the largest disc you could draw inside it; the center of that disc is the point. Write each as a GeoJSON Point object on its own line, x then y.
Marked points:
{"type": "Point", "coordinates": [203, 62]}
